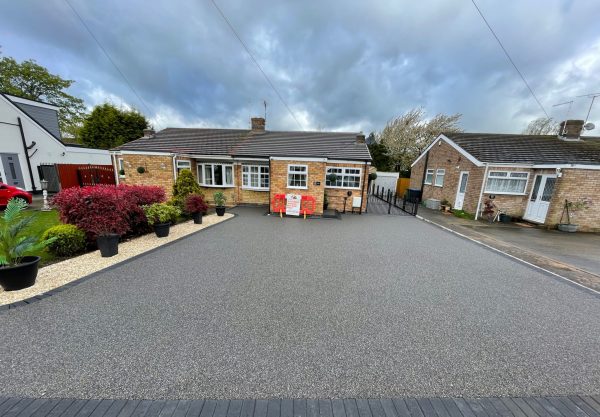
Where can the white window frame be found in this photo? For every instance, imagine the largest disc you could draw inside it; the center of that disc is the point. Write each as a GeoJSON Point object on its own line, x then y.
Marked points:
{"type": "Point", "coordinates": [342, 175]}
{"type": "Point", "coordinates": [200, 170]}
{"type": "Point", "coordinates": [427, 173]}
{"type": "Point", "coordinates": [439, 173]}
{"type": "Point", "coordinates": [297, 172]}
{"type": "Point", "coordinates": [182, 164]}
{"type": "Point", "coordinates": [121, 165]}
{"type": "Point", "coordinates": [246, 177]}
{"type": "Point", "coordinates": [507, 177]}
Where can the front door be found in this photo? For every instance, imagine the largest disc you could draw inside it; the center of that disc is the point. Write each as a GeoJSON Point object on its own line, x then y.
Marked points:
{"type": "Point", "coordinates": [12, 170]}
{"type": "Point", "coordinates": [462, 188]}
{"type": "Point", "coordinates": [539, 200]}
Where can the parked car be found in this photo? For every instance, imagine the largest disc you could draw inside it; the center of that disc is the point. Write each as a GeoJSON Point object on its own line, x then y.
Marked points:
{"type": "Point", "coordinates": [8, 191]}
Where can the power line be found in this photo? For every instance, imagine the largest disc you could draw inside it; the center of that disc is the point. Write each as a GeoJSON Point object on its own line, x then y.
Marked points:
{"type": "Point", "coordinates": [256, 63]}
{"type": "Point", "coordinates": [109, 57]}
{"type": "Point", "coordinates": [510, 59]}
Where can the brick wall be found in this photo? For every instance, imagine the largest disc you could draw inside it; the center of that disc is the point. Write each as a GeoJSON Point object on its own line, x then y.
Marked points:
{"type": "Point", "coordinates": [577, 185]}
{"type": "Point", "coordinates": [159, 171]}
{"type": "Point", "coordinates": [335, 196]}
{"type": "Point", "coordinates": [316, 173]}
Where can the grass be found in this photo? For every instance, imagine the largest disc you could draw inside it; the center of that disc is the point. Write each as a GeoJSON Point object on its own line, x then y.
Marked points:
{"type": "Point", "coordinates": [43, 221]}
{"type": "Point", "coordinates": [463, 214]}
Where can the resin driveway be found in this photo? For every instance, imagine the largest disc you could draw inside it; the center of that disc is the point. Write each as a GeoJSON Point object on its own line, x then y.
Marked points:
{"type": "Point", "coordinates": [259, 307]}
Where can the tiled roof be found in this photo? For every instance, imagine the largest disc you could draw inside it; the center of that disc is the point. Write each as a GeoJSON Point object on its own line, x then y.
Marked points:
{"type": "Point", "coordinates": [528, 149]}
{"type": "Point", "coordinates": [245, 143]}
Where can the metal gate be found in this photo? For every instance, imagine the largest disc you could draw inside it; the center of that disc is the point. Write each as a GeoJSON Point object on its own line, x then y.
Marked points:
{"type": "Point", "coordinates": [386, 201]}
{"type": "Point", "coordinates": [49, 173]}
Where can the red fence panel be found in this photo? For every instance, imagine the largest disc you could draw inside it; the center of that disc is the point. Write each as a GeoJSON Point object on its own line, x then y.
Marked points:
{"type": "Point", "coordinates": [78, 175]}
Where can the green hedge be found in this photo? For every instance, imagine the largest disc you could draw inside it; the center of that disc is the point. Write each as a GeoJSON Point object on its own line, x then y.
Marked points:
{"type": "Point", "coordinates": [70, 239]}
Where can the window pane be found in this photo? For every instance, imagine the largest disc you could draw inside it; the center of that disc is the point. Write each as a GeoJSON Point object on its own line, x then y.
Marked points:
{"type": "Point", "coordinates": [548, 189]}
{"type": "Point", "coordinates": [208, 177]}
{"type": "Point", "coordinates": [218, 170]}
{"type": "Point", "coordinates": [245, 168]}
{"type": "Point", "coordinates": [518, 175]}
{"type": "Point", "coordinates": [264, 180]}
{"type": "Point", "coordinates": [498, 174]}
{"type": "Point", "coordinates": [536, 187]}
{"type": "Point", "coordinates": [228, 175]}
{"type": "Point", "coordinates": [199, 171]}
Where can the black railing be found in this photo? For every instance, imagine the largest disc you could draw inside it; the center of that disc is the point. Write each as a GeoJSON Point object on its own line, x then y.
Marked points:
{"type": "Point", "coordinates": [407, 203]}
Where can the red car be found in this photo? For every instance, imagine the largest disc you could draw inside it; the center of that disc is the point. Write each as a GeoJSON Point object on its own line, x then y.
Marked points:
{"type": "Point", "coordinates": [8, 191]}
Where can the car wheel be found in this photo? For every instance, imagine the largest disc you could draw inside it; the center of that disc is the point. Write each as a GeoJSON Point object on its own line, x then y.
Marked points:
{"type": "Point", "coordinates": [22, 199]}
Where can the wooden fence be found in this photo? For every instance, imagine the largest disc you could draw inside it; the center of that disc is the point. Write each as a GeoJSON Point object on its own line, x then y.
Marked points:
{"type": "Point", "coordinates": [79, 175]}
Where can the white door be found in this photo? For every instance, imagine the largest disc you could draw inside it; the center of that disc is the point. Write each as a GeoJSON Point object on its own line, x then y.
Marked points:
{"type": "Point", "coordinates": [462, 188]}
{"type": "Point", "coordinates": [539, 200]}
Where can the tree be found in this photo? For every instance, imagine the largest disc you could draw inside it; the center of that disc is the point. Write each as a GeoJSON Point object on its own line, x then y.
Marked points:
{"type": "Point", "coordinates": [108, 126]}
{"type": "Point", "coordinates": [32, 81]}
{"type": "Point", "coordinates": [381, 157]}
{"type": "Point", "coordinates": [408, 135]}
{"type": "Point", "coordinates": [542, 126]}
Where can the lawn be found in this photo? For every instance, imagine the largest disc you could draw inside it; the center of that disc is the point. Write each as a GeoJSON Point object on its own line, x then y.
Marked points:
{"type": "Point", "coordinates": [43, 221]}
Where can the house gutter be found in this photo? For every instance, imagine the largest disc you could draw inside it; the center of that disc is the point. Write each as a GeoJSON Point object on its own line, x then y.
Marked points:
{"type": "Point", "coordinates": [481, 191]}
{"type": "Point", "coordinates": [424, 173]}
{"type": "Point", "coordinates": [26, 154]}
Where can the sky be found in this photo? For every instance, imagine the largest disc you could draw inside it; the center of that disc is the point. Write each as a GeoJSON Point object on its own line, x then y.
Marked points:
{"type": "Point", "coordinates": [343, 65]}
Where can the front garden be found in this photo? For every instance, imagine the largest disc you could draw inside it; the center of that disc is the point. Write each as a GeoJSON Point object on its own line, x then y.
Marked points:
{"type": "Point", "coordinates": [88, 219]}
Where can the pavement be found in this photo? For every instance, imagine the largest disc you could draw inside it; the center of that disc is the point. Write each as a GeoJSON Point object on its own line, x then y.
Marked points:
{"type": "Point", "coordinates": [263, 307]}
{"type": "Point", "coordinates": [573, 255]}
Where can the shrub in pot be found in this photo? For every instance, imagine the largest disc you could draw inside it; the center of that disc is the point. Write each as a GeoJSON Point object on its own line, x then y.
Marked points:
{"type": "Point", "coordinates": [220, 199]}
{"type": "Point", "coordinates": [68, 239]}
{"type": "Point", "coordinates": [184, 185]}
{"type": "Point", "coordinates": [18, 248]}
{"type": "Point", "coordinates": [160, 216]}
{"type": "Point", "coordinates": [195, 206]}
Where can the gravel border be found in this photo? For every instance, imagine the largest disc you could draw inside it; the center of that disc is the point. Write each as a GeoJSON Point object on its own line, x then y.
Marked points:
{"type": "Point", "coordinates": [65, 274]}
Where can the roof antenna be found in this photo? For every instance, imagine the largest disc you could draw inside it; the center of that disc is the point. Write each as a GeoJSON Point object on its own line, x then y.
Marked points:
{"type": "Point", "coordinates": [570, 103]}
{"type": "Point", "coordinates": [265, 103]}
{"type": "Point", "coordinates": [593, 97]}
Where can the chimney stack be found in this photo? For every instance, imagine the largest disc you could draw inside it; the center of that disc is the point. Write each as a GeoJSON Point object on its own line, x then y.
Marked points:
{"type": "Point", "coordinates": [149, 133]}
{"type": "Point", "coordinates": [360, 138]}
{"type": "Point", "coordinates": [571, 129]}
{"type": "Point", "coordinates": [258, 124]}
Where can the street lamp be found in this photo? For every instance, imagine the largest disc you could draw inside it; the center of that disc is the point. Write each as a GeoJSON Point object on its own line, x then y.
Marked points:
{"type": "Point", "coordinates": [45, 194]}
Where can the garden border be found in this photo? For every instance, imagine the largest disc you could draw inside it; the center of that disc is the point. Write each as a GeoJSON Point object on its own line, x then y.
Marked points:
{"type": "Point", "coordinates": [35, 298]}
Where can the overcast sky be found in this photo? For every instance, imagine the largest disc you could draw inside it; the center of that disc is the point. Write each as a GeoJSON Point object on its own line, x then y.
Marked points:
{"type": "Point", "coordinates": [339, 64]}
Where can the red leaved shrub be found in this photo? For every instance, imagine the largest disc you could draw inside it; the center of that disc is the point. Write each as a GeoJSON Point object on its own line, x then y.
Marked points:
{"type": "Point", "coordinates": [103, 209]}
{"type": "Point", "coordinates": [194, 203]}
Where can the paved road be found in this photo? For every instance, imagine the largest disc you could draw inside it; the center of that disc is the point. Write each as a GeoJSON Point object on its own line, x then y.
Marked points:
{"type": "Point", "coordinates": [259, 307]}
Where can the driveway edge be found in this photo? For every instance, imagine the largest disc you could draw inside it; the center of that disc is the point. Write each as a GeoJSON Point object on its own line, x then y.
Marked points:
{"type": "Point", "coordinates": [513, 257]}
{"type": "Point", "coordinates": [30, 300]}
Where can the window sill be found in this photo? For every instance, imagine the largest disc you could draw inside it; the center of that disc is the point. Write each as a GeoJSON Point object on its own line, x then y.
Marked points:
{"type": "Point", "coordinates": [297, 188]}
{"type": "Point", "coordinates": [216, 186]}
{"type": "Point", "coordinates": [255, 189]}
{"type": "Point", "coordinates": [426, 183]}
{"type": "Point", "coordinates": [502, 193]}
{"type": "Point", "coordinates": [122, 176]}
{"type": "Point", "coordinates": [342, 188]}
{"type": "Point", "coordinates": [439, 186]}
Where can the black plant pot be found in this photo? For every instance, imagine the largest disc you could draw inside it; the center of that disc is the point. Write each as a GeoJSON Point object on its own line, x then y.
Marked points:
{"type": "Point", "coordinates": [325, 205]}
{"type": "Point", "coordinates": [19, 276]}
{"type": "Point", "coordinates": [197, 217]}
{"type": "Point", "coordinates": [220, 210]}
{"type": "Point", "coordinates": [162, 229]}
{"type": "Point", "coordinates": [108, 245]}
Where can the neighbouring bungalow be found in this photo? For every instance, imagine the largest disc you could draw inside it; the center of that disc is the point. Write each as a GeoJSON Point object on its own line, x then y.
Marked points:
{"type": "Point", "coordinates": [250, 166]}
{"type": "Point", "coordinates": [531, 176]}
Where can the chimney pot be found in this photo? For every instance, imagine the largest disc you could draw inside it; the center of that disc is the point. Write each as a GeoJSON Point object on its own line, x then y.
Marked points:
{"type": "Point", "coordinates": [360, 138]}
{"type": "Point", "coordinates": [258, 124]}
{"type": "Point", "coordinates": [148, 133]}
{"type": "Point", "coordinates": [571, 129]}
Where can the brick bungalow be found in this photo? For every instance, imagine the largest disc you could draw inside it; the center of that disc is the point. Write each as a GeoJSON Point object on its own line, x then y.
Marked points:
{"type": "Point", "coordinates": [531, 176]}
{"type": "Point", "coordinates": [251, 166]}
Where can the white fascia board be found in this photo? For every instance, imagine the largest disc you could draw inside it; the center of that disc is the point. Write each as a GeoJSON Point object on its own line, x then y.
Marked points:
{"type": "Point", "coordinates": [251, 160]}
{"type": "Point", "coordinates": [342, 161]}
{"type": "Point", "coordinates": [567, 166]}
{"type": "Point", "coordinates": [77, 149]}
{"type": "Point", "coordinates": [207, 156]}
{"type": "Point", "coordinates": [144, 153]}
{"type": "Point", "coordinates": [454, 145]}
{"type": "Point", "coordinates": [32, 102]}
{"type": "Point", "coordinates": [289, 158]}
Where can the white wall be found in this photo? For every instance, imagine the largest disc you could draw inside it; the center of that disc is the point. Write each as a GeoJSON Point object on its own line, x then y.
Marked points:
{"type": "Point", "coordinates": [386, 180]}
{"type": "Point", "coordinates": [48, 150]}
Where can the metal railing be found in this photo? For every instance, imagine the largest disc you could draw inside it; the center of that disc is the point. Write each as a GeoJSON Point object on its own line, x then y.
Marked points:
{"type": "Point", "coordinates": [409, 205]}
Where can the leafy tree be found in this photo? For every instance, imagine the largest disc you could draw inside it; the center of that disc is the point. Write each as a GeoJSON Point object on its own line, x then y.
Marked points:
{"type": "Point", "coordinates": [408, 135]}
{"type": "Point", "coordinates": [32, 81]}
{"type": "Point", "coordinates": [381, 157]}
{"type": "Point", "coordinates": [108, 126]}
{"type": "Point", "coordinates": [184, 185]}
{"type": "Point", "coordinates": [542, 126]}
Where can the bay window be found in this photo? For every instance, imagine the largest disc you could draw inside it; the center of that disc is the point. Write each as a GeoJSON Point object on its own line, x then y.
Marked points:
{"type": "Point", "coordinates": [255, 177]}
{"type": "Point", "coordinates": [506, 182]}
{"type": "Point", "coordinates": [297, 176]}
{"type": "Point", "coordinates": [215, 174]}
{"type": "Point", "coordinates": [345, 177]}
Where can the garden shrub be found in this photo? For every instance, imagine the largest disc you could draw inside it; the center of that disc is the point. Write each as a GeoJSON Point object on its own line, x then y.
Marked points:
{"type": "Point", "coordinates": [69, 239]}
{"type": "Point", "coordinates": [138, 196]}
{"type": "Point", "coordinates": [184, 185]}
{"type": "Point", "coordinates": [161, 213]}
{"type": "Point", "coordinates": [194, 203]}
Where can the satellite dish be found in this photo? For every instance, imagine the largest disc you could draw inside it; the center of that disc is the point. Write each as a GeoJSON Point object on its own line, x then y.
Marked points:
{"type": "Point", "coordinates": [589, 126]}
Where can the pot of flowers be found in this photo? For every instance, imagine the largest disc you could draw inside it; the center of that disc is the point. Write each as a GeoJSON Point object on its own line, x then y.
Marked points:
{"type": "Point", "coordinates": [160, 216]}
{"type": "Point", "coordinates": [220, 199]}
{"type": "Point", "coordinates": [195, 206]}
{"type": "Point", "coordinates": [570, 208]}
{"type": "Point", "coordinates": [18, 262]}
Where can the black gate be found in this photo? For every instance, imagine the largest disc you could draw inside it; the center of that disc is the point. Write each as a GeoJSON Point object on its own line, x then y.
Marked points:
{"type": "Point", "coordinates": [386, 201]}
{"type": "Point", "coordinates": [49, 173]}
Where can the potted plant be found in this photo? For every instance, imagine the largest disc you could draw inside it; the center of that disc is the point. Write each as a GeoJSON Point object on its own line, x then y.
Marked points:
{"type": "Point", "coordinates": [446, 207]}
{"type": "Point", "coordinates": [332, 178]}
{"type": "Point", "coordinates": [160, 216]}
{"type": "Point", "coordinates": [325, 201]}
{"type": "Point", "coordinates": [18, 262]}
{"type": "Point", "coordinates": [569, 208]}
{"type": "Point", "coordinates": [195, 205]}
{"type": "Point", "coordinates": [220, 199]}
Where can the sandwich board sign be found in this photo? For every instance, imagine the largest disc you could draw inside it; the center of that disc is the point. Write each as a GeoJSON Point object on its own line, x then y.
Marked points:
{"type": "Point", "coordinates": [292, 204]}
